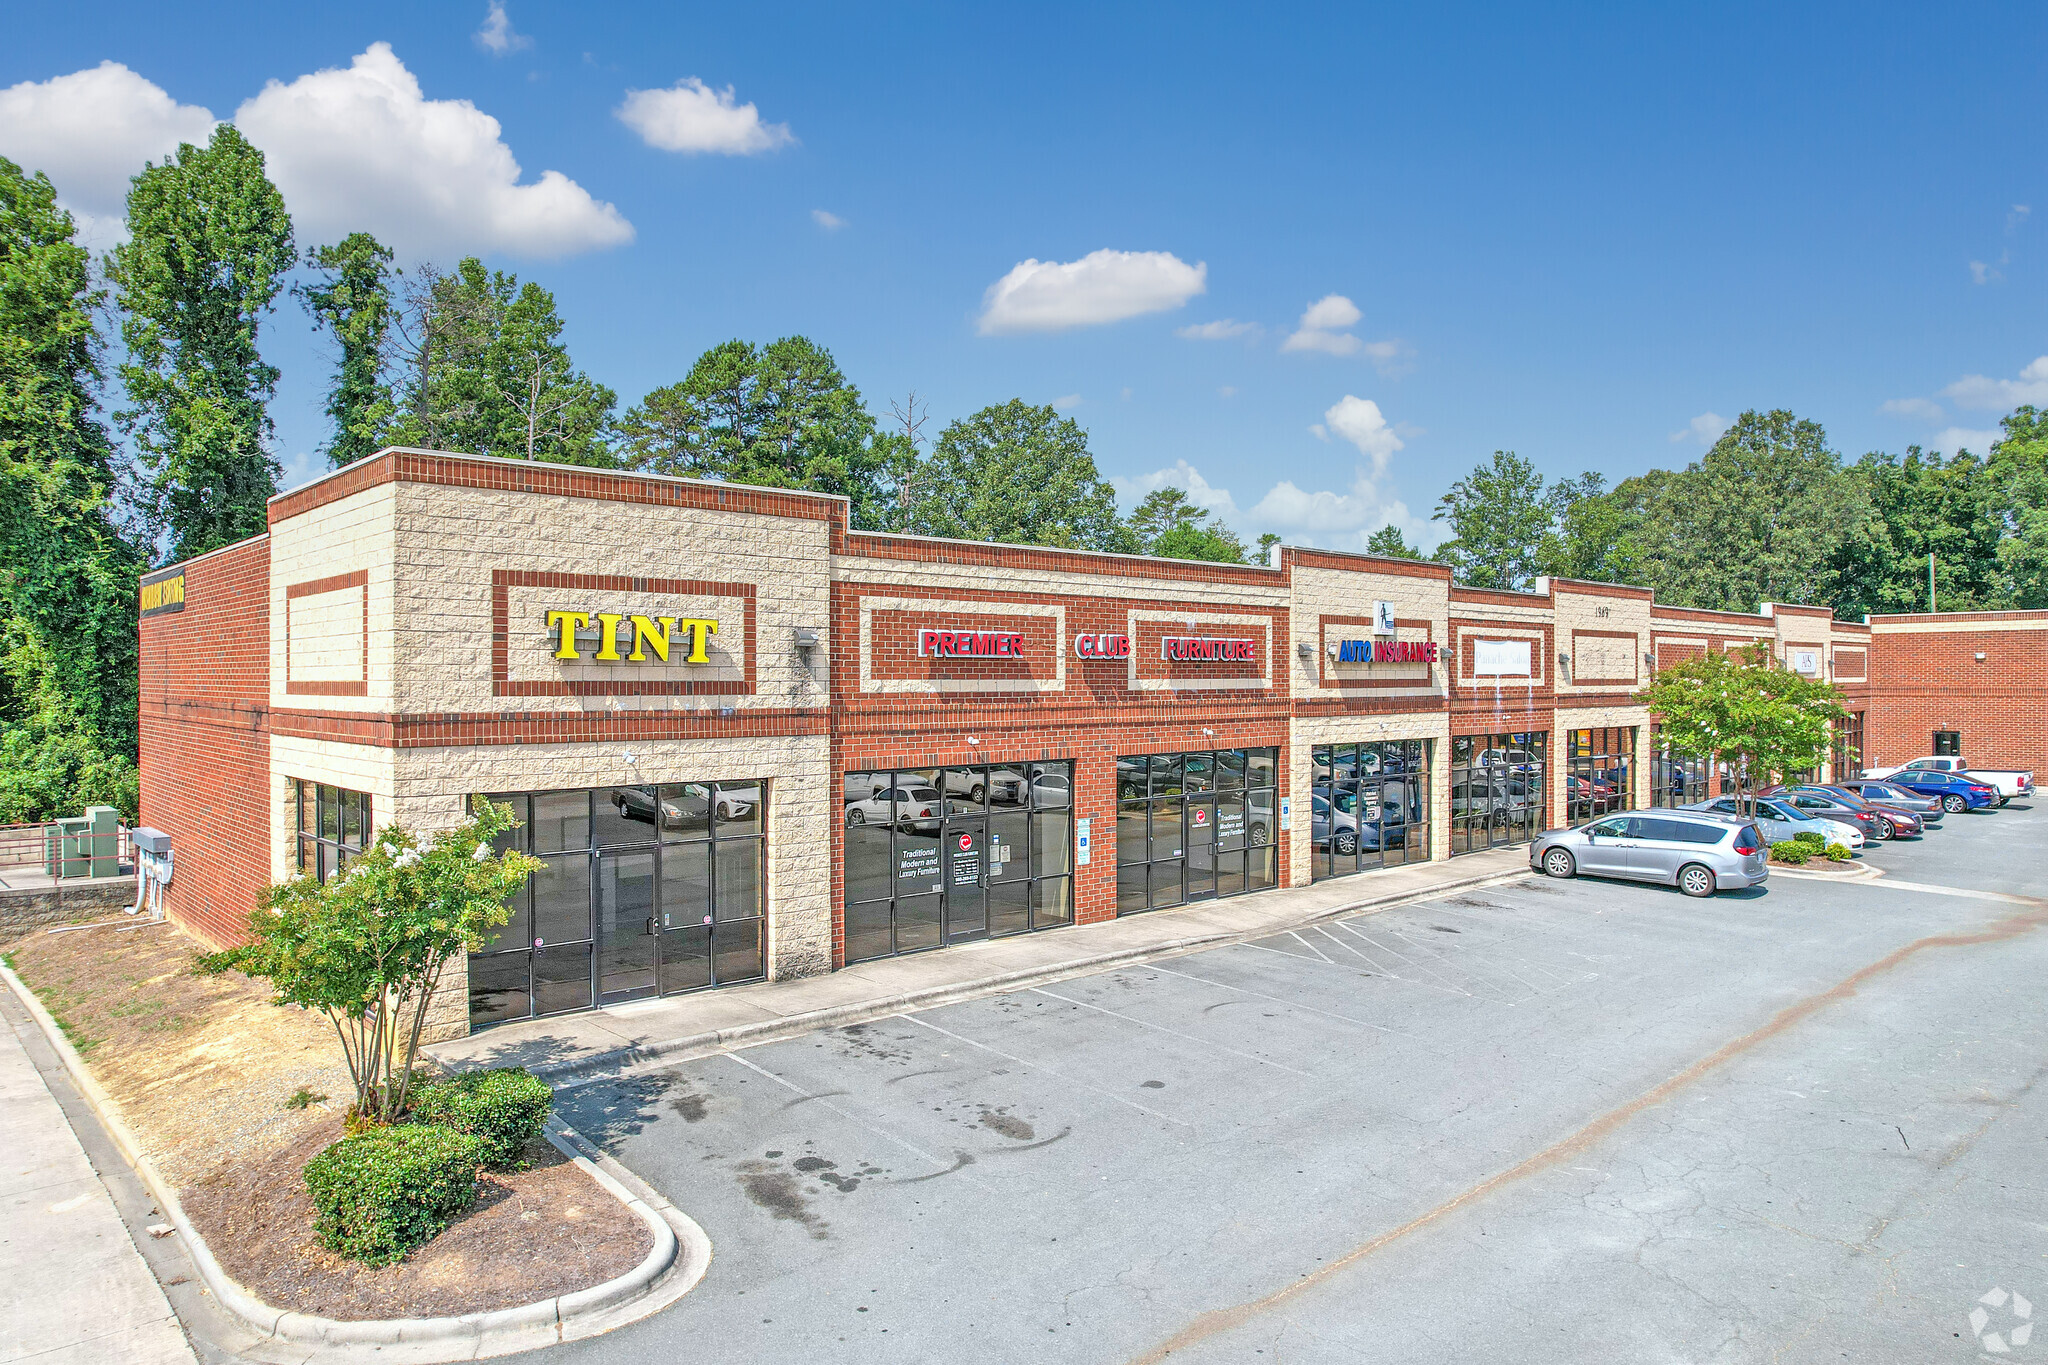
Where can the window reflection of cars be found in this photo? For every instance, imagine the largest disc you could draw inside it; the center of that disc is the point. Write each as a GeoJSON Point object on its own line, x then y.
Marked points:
{"type": "Point", "coordinates": [1334, 828]}
{"type": "Point", "coordinates": [910, 808]}
{"type": "Point", "coordinates": [1130, 778]}
{"type": "Point", "coordinates": [687, 809]}
{"type": "Point", "coordinates": [1259, 818]}
{"type": "Point", "coordinates": [1049, 790]}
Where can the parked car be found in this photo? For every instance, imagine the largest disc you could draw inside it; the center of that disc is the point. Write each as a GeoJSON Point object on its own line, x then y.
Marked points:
{"type": "Point", "coordinates": [1957, 792]}
{"type": "Point", "coordinates": [909, 808]}
{"type": "Point", "coordinates": [1048, 790]}
{"type": "Point", "coordinates": [2009, 782]}
{"type": "Point", "coordinates": [1780, 820]}
{"type": "Point", "coordinates": [1698, 853]}
{"type": "Point", "coordinates": [1886, 794]}
{"type": "Point", "coordinates": [1877, 825]}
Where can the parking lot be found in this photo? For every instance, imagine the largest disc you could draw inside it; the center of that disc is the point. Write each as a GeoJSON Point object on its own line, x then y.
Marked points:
{"type": "Point", "coordinates": [1573, 1121]}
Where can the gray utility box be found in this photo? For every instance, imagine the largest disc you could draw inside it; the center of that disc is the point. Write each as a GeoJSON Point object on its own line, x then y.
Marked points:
{"type": "Point", "coordinates": [144, 839]}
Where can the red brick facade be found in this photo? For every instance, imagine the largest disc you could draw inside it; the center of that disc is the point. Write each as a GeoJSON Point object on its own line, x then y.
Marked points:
{"type": "Point", "coordinates": [204, 721]}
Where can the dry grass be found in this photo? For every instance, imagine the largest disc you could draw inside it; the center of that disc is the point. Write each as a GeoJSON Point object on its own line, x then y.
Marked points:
{"type": "Point", "coordinates": [202, 1068]}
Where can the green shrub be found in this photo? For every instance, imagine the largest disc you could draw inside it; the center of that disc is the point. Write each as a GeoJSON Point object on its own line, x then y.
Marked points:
{"type": "Point", "coordinates": [381, 1193]}
{"type": "Point", "coordinates": [1838, 853]}
{"type": "Point", "coordinates": [1789, 851]}
{"type": "Point", "coordinates": [505, 1108]}
{"type": "Point", "coordinates": [1811, 837]}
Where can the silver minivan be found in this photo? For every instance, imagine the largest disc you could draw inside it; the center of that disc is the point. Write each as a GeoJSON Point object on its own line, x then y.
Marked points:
{"type": "Point", "coordinates": [1697, 852]}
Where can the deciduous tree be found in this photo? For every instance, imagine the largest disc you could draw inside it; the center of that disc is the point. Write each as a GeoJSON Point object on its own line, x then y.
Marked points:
{"type": "Point", "coordinates": [1749, 710]}
{"type": "Point", "coordinates": [210, 246]}
{"type": "Point", "coordinates": [1169, 525]}
{"type": "Point", "coordinates": [1020, 475]}
{"type": "Point", "coordinates": [352, 301]}
{"type": "Point", "coordinates": [1499, 519]}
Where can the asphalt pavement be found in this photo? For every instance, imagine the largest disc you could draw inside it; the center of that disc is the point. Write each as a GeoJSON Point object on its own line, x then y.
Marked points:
{"type": "Point", "coordinates": [1547, 1121]}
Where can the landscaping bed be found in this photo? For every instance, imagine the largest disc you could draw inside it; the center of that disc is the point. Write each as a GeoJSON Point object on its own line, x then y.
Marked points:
{"type": "Point", "coordinates": [230, 1095]}
{"type": "Point", "coordinates": [546, 1230]}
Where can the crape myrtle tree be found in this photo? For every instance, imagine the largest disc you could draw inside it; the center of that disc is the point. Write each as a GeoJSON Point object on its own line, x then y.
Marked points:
{"type": "Point", "coordinates": [1749, 711]}
{"type": "Point", "coordinates": [67, 572]}
{"type": "Point", "coordinates": [210, 244]}
{"type": "Point", "coordinates": [367, 947]}
{"type": "Point", "coordinates": [1017, 474]}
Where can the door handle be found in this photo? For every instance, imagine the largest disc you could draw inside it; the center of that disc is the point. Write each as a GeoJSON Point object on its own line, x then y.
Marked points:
{"type": "Point", "coordinates": [650, 924]}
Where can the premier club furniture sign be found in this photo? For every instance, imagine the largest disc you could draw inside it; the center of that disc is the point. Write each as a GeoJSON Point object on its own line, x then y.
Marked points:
{"type": "Point", "coordinates": [1208, 649]}
{"type": "Point", "coordinates": [934, 643]}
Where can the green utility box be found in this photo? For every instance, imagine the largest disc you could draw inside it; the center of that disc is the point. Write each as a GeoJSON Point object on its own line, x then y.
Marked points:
{"type": "Point", "coordinates": [87, 845]}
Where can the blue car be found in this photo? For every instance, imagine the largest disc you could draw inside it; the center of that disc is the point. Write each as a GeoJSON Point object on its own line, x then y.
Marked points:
{"type": "Point", "coordinates": [1957, 792]}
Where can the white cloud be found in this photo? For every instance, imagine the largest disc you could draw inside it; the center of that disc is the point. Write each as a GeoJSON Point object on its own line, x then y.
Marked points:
{"type": "Point", "coordinates": [1952, 439]}
{"type": "Point", "coordinates": [1323, 328]}
{"type": "Point", "coordinates": [1980, 273]}
{"type": "Point", "coordinates": [1066, 402]}
{"type": "Point", "coordinates": [1911, 407]}
{"type": "Point", "coordinates": [2001, 395]}
{"type": "Point", "coordinates": [496, 36]}
{"type": "Point", "coordinates": [691, 117]}
{"type": "Point", "coordinates": [1223, 329]}
{"type": "Point", "coordinates": [1705, 428]}
{"type": "Point", "coordinates": [90, 132]}
{"type": "Point", "coordinates": [1103, 286]}
{"type": "Point", "coordinates": [364, 149]}
{"type": "Point", "coordinates": [1227, 391]}
{"type": "Point", "coordinates": [1322, 325]}
{"type": "Point", "coordinates": [1181, 475]}
{"type": "Point", "coordinates": [1359, 421]}
{"type": "Point", "coordinates": [831, 222]}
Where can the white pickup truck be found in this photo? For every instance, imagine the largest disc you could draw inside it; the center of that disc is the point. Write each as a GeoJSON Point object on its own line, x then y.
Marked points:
{"type": "Point", "coordinates": [2010, 782]}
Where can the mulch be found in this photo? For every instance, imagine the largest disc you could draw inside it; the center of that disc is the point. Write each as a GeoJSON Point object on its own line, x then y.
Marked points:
{"type": "Point", "coordinates": [546, 1230]}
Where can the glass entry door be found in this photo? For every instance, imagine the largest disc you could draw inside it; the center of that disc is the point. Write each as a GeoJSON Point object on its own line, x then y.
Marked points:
{"type": "Point", "coordinates": [627, 940]}
{"type": "Point", "coordinates": [964, 845]}
{"type": "Point", "coordinates": [1200, 841]}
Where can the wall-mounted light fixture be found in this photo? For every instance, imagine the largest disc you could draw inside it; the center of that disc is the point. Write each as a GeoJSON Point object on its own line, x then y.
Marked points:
{"type": "Point", "coordinates": [1980, 656]}
{"type": "Point", "coordinates": [1305, 650]}
{"type": "Point", "coordinates": [1207, 731]}
{"type": "Point", "coordinates": [806, 638]}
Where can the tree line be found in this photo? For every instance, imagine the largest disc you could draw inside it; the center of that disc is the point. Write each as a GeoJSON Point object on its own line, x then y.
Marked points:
{"type": "Point", "coordinates": [1771, 513]}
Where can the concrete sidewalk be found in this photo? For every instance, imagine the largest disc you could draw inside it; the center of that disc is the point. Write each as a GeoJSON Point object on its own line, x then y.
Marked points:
{"type": "Point", "coordinates": [598, 1043]}
{"type": "Point", "coordinates": [73, 1287]}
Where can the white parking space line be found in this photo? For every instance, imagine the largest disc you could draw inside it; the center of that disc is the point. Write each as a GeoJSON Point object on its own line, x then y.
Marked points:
{"type": "Point", "coordinates": [1295, 934]}
{"type": "Point", "coordinates": [883, 1133]}
{"type": "Point", "coordinates": [1363, 937]}
{"type": "Point", "coordinates": [1279, 1000]}
{"type": "Point", "coordinates": [1893, 884]}
{"type": "Point", "coordinates": [1039, 1066]}
{"type": "Point", "coordinates": [1146, 1023]}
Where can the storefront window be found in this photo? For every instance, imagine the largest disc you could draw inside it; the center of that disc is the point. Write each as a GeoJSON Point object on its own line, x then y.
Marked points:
{"type": "Point", "coordinates": [1677, 779]}
{"type": "Point", "coordinates": [939, 856]}
{"type": "Point", "coordinates": [1194, 826]}
{"type": "Point", "coordinates": [1497, 789]}
{"type": "Point", "coordinates": [333, 824]}
{"type": "Point", "coordinates": [1599, 772]}
{"type": "Point", "coordinates": [1370, 806]}
{"type": "Point", "coordinates": [1847, 750]}
{"type": "Point", "coordinates": [641, 891]}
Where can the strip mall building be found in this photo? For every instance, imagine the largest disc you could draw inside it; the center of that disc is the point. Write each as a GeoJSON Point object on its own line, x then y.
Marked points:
{"type": "Point", "coordinates": [748, 741]}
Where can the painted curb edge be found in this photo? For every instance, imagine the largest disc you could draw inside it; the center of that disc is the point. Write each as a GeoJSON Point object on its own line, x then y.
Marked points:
{"type": "Point", "coordinates": [562, 1318]}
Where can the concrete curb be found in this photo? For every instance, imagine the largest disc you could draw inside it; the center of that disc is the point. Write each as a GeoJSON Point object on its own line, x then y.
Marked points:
{"type": "Point", "coordinates": [678, 1260]}
{"type": "Point", "coordinates": [614, 1062]}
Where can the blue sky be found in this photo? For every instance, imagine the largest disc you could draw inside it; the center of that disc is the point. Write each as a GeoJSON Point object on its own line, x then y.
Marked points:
{"type": "Point", "coordinates": [1586, 236]}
